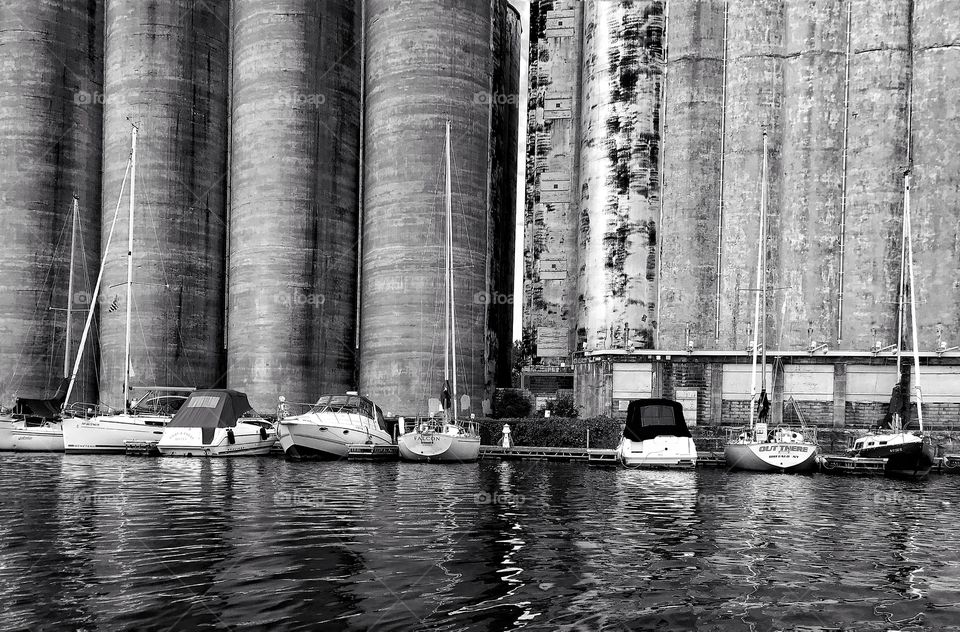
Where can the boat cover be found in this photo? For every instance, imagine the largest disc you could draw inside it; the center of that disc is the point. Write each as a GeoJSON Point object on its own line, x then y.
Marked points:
{"type": "Point", "coordinates": [650, 418]}
{"type": "Point", "coordinates": [211, 409]}
{"type": "Point", "coordinates": [46, 408]}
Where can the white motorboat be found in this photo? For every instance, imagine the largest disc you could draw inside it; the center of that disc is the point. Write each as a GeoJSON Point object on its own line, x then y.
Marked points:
{"type": "Point", "coordinates": [449, 440]}
{"type": "Point", "coordinates": [751, 448]}
{"type": "Point", "coordinates": [656, 435]}
{"type": "Point", "coordinates": [217, 422]}
{"type": "Point", "coordinates": [331, 425]}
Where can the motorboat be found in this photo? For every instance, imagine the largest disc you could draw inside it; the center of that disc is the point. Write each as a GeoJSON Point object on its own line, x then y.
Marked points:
{"type": "Point", "coordinates": [752, 448]}
{"type": "Point", "coordinates": [333, 424]}
{"type": "Point", "coordinates": [656, 435]}
{"type": "Point", "coordinates": [216, 423]}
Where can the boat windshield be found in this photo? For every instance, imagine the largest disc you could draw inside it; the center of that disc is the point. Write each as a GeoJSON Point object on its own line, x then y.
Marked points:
{"type": "Point", "coordinates": [345, 404]}
{"type": "Point", "coordinates": [650, 418]}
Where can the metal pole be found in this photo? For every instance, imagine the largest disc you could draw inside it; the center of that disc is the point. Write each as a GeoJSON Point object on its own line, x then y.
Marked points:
{"type": "Point", "coordinates": [73, 254]}
{"type": "Point", "coordinates": [913, 303]}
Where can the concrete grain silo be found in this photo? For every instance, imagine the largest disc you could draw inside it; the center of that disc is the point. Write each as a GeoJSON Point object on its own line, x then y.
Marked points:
{"type": "Point", "coordinates": [812, 145]}
{"type": "Point", "coordinates": [429, 62]}
{"type": "Point", "coordinates": [876, 160]}
{"type": "Point", "coordinates": [51, 74]}
{"type": "Point", "coordinates": [754, 105]}
{"type": "Point", "coordinates": [619, 172]}
{"type": "Point", "coordinates": [294, 199]}
{"type": "Point", "coordinates": [936, 169]}
{"type": "Point", "coordinates": [166, 72]}
{"type": "Point", "coordinates": [552, 194]}
{"type": "Point", "coordinates": [692, 156]}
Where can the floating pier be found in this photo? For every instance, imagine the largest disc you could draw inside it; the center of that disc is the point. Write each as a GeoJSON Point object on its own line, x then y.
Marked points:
{"type": "Point", "coordinates": [141, 448]}
{"type": "Point", "coordinates": [590, 455]}
{"type": "Point", "coordinates": [371, 452]}
{"type": "Point", "coordinates": [836, 464]}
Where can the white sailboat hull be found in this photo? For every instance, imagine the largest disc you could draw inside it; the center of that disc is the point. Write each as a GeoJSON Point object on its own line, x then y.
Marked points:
{"type": "Point", "coordinates": [327, 437]}
{"type": "Point", "coordinates": [659, 452]}
{"type": "Point", "coordinates": [437, 447]}
{"type": "Point", "coordinates": [792, 457]}
{"type": "Point", "coordinates": [7, 426]}
{"type": "Point", "coordinates": [17, 436]}
{"type": "Point", "coordinates": [109, 434]}
{"type": "Point", "coordinates": [247, 441]}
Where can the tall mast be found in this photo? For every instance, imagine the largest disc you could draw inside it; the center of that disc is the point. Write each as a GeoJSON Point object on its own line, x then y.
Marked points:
{"type": "Point", "coordinates": [761, 278]}
{"type": "Point", "coordinates": [446, 262]}
{"type": "Point", "coordinates": [96, 293]}
{"type": "Point", "coordinates": [763, 288]}
{"type": "Point", "coordinates": [451, 324]}
{"type": "Point", "coordinates": [902, 291]}
{"type": "Point", "coordinates": [913, 300]}
{"type": "Point", "coordinates": [133, 190]}
{"type": "Point", "coordinates": [73, 254]}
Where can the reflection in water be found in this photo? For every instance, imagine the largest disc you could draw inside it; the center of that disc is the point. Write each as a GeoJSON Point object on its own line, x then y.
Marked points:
{"type": "Point", "coordinates": [98, 542]}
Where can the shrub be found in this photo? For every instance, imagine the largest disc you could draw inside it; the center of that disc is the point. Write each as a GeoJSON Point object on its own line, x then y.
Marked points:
{"type": "Point", "coordinates": [563, 406]}
{"type": "Point", "coordinates": [511, 404]}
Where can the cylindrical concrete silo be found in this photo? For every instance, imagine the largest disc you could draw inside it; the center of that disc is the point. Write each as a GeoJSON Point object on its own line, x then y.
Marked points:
{"type": "Point", "coordinates": [806, 303]}
{"type": "Point", "coordinates": [693, 152]}
{"type": "Point", "coordinates": [754, 105]}
{"type": "Point", "coordinates": [936, 169]}
{"type": "Point", "coordinates": [166, 72]}
{"type": "Point", "coordinates": [51, 74]}
{"type": "Point", "coordinates": [428, 62]}
{"type": "Point", "coordinates": [619, 180]}
{"type": "Point", "coordinates": [501, 226]}
{"type": "Point", "coordinates": [876, 160]}
{"type": "Point", "coordinates": [294, 200]}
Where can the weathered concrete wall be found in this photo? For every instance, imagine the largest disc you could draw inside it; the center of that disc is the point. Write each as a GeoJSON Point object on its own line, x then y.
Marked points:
{"type": "Point", "coordinates": [877, 158]}
{"type": "Point", "coordinates": [689, 237]}
{"type": "Point", "coordinates": [552, 191]}
{"type": "Point", "coordinates": [428, 62]}
{"type": "Point", "coordinates": [166, 71]}
{"type": "Point", "coordinates": [501, 228]}
{"type": "Point", "coordinates": [51, 89]}
{"type": "Point", "coordinates": [812, 168]}
{"type": "Point", "coordinates": [295, 206]}
{"type": "Point", "coordinates": [619, 172]}
{"type": "Point", "coordinates": [755, 31]}
{"type": "Point", "coordinates": [936, 167]}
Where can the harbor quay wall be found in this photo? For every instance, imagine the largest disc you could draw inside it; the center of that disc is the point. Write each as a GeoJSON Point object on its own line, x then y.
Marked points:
{"type": "Point", "coordinates": [826, 390]}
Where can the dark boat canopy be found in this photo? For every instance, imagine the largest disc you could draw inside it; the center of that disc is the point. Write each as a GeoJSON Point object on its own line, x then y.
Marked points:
{"type": "Point", "coordinates": [650, 418]}
{"type": "Point", "coordinates": [46, 408]}
{"type": "Point", "coordinates": [212, 408]}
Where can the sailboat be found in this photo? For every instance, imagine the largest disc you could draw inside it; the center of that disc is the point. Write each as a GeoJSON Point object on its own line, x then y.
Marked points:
{"type": "Point", "coordinates": [447, 439]}
{"type": "Point", "coordinates": [752, 448]}
{"type": "Point", "coordinates": [908, 455]}
{"type": "Point", "coordinates": [143, 420]}
{"type": "Point", "coordinates": [34, 425]}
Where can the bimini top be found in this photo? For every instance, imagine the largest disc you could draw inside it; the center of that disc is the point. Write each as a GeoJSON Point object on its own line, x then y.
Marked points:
{"type": "Point", "coordinates": [213, 408]}
{"type": "Point", "coordinates": [650, 418]}
{"type": "Point", "coordinates": [46, 408]}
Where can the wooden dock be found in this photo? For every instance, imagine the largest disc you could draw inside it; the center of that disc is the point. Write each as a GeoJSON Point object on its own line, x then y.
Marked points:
{"type": "Point", "coordinates": [141, 448]}
{"type": "Point", "coordinates": [590, 455]}
{"type": "Point", "coordinates": [836, 464]}
{"type": "Point", "coordinates": [370, 452]}
{"type": "Point", "coordinates": [949, 464]}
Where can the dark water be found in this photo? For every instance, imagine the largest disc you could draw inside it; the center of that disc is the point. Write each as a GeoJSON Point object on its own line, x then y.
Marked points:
{"type": "Point", "coordinates": [102, 543]}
